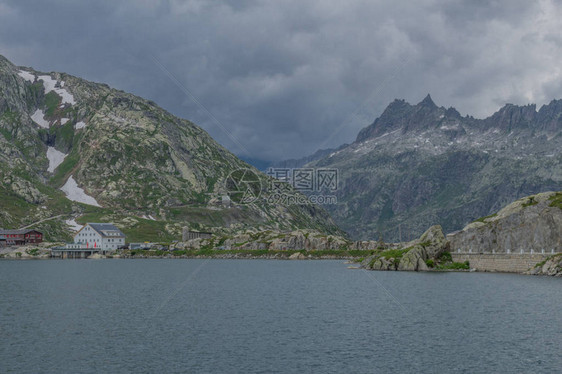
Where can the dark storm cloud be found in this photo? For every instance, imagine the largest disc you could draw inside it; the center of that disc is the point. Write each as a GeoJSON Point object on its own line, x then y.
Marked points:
{"type": "Point", "coordinates": [287, 77]}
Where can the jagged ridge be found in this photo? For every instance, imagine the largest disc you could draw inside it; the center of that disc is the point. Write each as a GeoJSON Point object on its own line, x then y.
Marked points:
{"type": "Point", "coordinates": [418, 165]}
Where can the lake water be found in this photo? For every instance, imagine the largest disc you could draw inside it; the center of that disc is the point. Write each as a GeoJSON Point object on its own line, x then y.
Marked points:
{"type": "Point", "coordinates": [252, 316]}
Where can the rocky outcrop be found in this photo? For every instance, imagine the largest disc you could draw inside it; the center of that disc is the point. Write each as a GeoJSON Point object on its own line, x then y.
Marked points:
{"type": "Point", "coordinates": [24, 189]}
{"type": "Point", "coordinates": [380, 263]}
{"type": "Point", "coordinates": [414, 259]}
{"type": "Point", "coordinates": [531, 224]}
{"type": "Point", "coordinates": [272, 240]}
{"type": "Point", "coordinates": [431, 245]}
{"type": "Point", "coordinates": [25, 252]}
{"type": "Point", "coordinates": [552, 266]}
{"type": "Point", "coordinates": [297, 256]}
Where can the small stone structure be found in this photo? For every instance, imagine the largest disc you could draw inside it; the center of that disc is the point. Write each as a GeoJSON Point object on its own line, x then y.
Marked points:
{"type": "Point", "coordinates": [189, 235]}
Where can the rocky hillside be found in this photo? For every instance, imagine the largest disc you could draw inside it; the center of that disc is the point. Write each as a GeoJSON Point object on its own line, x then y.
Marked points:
{"type": "Point", "coordinates": [419, 165]}
{"type": "Point", "coordinates": [298, 240]}
{"type": "Point", "coordinates": [533, 223]}
{"type": "Point", "coordinates": [83, 150]}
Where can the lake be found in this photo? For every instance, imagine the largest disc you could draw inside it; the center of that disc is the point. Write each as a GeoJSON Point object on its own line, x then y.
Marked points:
{"type": "Point", "coordinates": [266, 316]}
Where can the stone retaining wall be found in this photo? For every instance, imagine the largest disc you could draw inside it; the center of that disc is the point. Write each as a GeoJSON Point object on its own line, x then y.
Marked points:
{"type": "Point", "coordinates": [508, 263]}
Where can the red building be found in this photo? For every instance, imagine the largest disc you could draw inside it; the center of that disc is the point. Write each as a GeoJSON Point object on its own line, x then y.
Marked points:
{"type": "Point", "coordinates": [20, 237]}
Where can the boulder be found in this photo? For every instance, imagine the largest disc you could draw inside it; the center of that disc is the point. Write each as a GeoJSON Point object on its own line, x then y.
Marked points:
{"type": "Point", "coordinates": [434, 242]}
{"type": "Point", "coordinates": [297, 256]}
{"type": "Point", "coordinates": [414, 259]}
{"type": "Point", "coordinates": [383, 264]}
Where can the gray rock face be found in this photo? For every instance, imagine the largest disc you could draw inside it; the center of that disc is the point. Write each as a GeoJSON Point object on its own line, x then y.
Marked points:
{"type": "Point", "coordinates": [25, 190]}
{"type": "Point", "coordinates": [381, 264]}
{"type": "Point", "coordinates": [420, 165]}
{"type": "Point", "coordinates": [432, 244]}
{"type": "Point", "coordinates": [414, 259]}
{"type": "Point", "coordinates": [532, 223]}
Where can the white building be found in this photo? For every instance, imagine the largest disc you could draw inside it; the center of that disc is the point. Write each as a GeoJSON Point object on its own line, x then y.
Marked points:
{"type": "Point", "coordinates": [104, 236]}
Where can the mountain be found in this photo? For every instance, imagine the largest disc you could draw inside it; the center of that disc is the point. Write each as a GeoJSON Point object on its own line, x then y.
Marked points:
{"type": "Point", "coordinates": [420, 165]}
{"type": "Point", "coordinates": [74, 149]}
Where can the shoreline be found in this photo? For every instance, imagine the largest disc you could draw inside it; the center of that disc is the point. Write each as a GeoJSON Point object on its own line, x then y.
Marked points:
{"type": "Point", "coordinates": [194, 257]}
{"type": "Point", "coordinates": [348, 261]}
{"type": "Point", "coordinates": [390, 260]}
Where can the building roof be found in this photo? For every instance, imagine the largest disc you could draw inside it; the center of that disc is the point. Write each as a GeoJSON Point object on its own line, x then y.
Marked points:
{"type": "Point", "coordinates": [16, 232]}
{"type": "Point", "coordinates": [107, 230]}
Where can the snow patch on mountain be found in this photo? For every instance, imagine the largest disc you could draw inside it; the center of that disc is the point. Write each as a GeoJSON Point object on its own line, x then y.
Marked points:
{"type": "Point", "coordinates": [27, 76]}
{"type": "Point", "coordinates": [64, 120]}
{"type": "Point", "coordinates": [75, 193]}
{"type": "Point", "coordinates": [75, 226]}
{"type": "Point", "coordinates": [55, 158]}
{"type": "Point", "coordinates": [50, 85]}
{"type": "Point", "coordinates": [80, 125]}
{"type": "Point", "coordinates": [456, 126]}
{"type": "Point", "coordinates": [39, 118]}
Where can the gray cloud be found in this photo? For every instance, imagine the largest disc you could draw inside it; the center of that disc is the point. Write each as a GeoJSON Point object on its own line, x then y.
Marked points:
{"type": "Point", "coordinates": [287, 77]}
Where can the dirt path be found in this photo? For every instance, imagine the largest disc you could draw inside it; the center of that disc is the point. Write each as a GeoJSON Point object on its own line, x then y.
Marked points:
{"type": "Point", "coordinates": [43, 220]}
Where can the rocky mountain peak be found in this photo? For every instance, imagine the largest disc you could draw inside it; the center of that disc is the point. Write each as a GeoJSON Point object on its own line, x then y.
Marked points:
{"type": "Point", "coordinates": [528, 110]}
{"type": "Point", "coordinates": [452, 113]}
{"type": "Point", "coordinates": [511, 117]}
{"type": "Point", "coordinates": [401, 115]}
{"type": "Point", "coordinates": [549, 117]}
{"type": "Point", "coordinates": [427, 102]}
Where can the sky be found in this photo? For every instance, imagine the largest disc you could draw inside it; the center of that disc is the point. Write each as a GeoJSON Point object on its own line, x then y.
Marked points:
{"type": "Point", "coordinates": [279, 79]}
